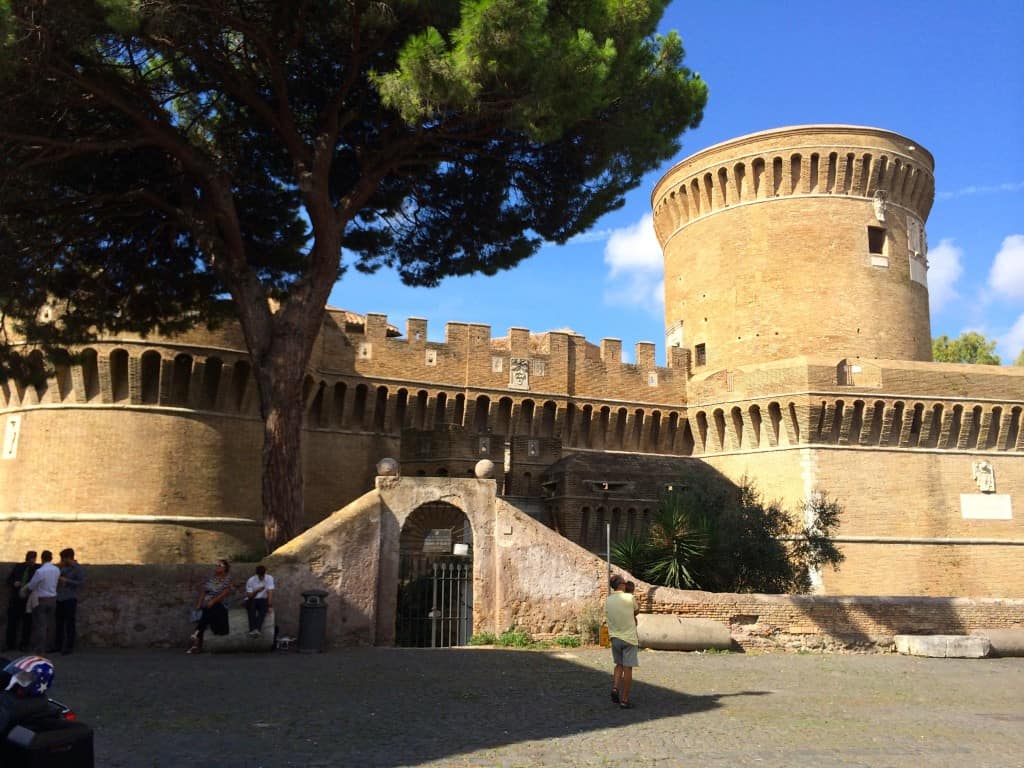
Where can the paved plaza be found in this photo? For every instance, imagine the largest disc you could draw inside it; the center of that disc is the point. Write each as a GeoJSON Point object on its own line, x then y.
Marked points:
{"type": "Point", "coordinates": [489, 707]}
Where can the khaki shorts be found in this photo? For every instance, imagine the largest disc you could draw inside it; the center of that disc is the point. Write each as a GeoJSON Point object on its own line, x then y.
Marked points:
{"type": "Point", "coordinates": [624, 653]}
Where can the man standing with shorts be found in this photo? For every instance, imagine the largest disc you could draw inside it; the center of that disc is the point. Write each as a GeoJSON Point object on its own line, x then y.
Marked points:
{"type": "Point", "coordinates": [622, 609]}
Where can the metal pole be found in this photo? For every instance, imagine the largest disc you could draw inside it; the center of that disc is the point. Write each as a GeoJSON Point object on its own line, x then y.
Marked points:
{"type": "Point", "coordinates": [433, 613]}
{"type": "Point", "coordinates": [608, 549]}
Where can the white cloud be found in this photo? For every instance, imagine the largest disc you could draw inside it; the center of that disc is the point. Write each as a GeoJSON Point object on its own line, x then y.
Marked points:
{"type": "Point", "coordinates": [634, 248]}
{"type": "Point", "coordinates": [1011, 344]}
{"type": "Point", "coordinates": [1015, 186]}
{"type": "Point", "coordinates": [636, 267]}
{"type": "Point", "coordinates": [944, 269]}
{"type": "Point", "coordinates": [590, 236]}
{"type": "Point", "coordinates": [1007, 274]}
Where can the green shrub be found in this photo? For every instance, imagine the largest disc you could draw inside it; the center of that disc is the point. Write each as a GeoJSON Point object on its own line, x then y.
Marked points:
{"type": "Point", "coordinates": [568, 641]}
{"type": "Point", "coordinates": [483, 638]}
{"type": "Point", "coordinates": [713, 535]}
{"type": "Point", "coordinates": [589, 621]}
{"type": "Point", "coordinates": [514, 638]}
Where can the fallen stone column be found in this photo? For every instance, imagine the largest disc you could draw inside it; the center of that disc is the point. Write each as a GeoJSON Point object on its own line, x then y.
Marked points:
{"type": "Point", "coordinates": [666, 632]}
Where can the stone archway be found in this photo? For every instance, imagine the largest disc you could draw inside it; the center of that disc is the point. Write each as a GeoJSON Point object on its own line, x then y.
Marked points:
{"type": "Point", "coordinates": [434, 600]}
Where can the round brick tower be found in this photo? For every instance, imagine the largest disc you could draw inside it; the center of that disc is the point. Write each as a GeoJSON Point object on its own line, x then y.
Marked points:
{"type": "Point", "coordinates": [806, 240]}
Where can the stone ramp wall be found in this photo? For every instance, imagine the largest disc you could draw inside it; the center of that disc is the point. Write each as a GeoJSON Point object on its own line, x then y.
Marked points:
{"type": "Point", "coordinates": [525, 576]}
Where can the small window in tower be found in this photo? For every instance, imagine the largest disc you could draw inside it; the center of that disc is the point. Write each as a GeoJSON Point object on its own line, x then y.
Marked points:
{"type": "Point", "coordinates": [700, 355]}
{"type": "Point", "coordinates": [876, 241]}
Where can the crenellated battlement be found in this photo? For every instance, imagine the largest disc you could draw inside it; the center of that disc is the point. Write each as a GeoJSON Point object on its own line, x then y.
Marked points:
{"type": "Point", "coordinates": [792, 162]}
{"type": "Point", "coordinates": [553, 363]}
{"type": "Point", "coordinates": [364, 378]}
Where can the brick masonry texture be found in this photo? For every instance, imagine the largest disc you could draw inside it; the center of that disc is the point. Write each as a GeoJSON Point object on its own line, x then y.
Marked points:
{"type": "Point", "coordinates": [815, 374]}
{"type": "Point", "coordinates": [524, 575]}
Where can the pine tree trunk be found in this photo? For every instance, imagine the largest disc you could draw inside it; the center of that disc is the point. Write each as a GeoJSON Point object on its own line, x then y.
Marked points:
{"type": "Point", "coordinates": [282, 463]}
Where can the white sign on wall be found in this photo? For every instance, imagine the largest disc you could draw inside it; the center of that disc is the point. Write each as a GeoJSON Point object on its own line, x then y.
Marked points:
{"type": "Point", "coordinates": [986, 506]}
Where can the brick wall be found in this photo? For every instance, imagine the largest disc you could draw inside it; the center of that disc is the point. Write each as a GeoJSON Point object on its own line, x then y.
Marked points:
{"type": "Point", "coordinates": [767, 252]}
{"type": "Point", "coordinates": [525, 576]}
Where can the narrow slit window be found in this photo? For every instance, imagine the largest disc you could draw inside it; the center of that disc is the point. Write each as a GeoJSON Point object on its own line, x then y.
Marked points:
{"type": "Point", "coordinates": [700, 355]}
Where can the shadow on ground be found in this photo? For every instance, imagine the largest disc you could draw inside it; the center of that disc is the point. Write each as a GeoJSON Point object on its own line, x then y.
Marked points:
{"type": "Point", "coordinates": [360, 707]}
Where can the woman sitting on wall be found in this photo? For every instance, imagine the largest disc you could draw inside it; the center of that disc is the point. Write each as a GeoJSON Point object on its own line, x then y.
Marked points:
{"type": "Point", "coordinates": [211, 605]}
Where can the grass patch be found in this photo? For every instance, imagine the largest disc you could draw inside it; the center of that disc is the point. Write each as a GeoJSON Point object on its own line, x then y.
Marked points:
{"type": "Point", "coordinates": [518, 638]}
{"type": "Point", "coordinates": [568, 641]}
{"type": "Point", "coordinates": [515, 638]}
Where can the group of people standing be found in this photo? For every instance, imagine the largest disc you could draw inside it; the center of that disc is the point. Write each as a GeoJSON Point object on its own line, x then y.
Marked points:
{"type": "Point", "coordinates": [42, 603]}
{"type": "Point", "coordinates": [211, 609]}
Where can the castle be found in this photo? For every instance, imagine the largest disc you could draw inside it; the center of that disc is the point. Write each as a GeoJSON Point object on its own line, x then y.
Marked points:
{"type": "Point", "coordinates": [798, 354]}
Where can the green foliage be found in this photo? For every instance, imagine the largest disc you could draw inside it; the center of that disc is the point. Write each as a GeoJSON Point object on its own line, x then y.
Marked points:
{"type": "Point", "coordinates": [589, 621]}
{"type": "Point", "coordinates": [518, 638]}
{"type": "Point", "coordinates": [728, 539]}
{"type": "Point", "coordinates": [1020, 358]}
{"type": "Point", "coordinates": [814, 547]}
{"type": "Point", "coordinates": [676, 541]}
{"type": "Point", "coordinates": [514, 638]}
{"type": "Point", "coordinates": [632, 553]}
{"type": "Point", "coordinates": [201, 137]}
{"type": "Point", "coordinates": [747, 552]}
{"type": "Point", "coordinates": [970, 347]}
{"type": "Point", "coordinates": [164, 164]}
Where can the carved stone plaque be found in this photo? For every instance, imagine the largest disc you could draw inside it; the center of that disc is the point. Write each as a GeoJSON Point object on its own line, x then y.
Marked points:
{"type": "Point", "coordinates": [984, 476]}
{"type": "Point", "coordinates": [519, 373]}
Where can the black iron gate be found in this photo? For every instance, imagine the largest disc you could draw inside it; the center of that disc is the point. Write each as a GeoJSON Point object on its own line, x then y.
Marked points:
{"type": "Point", "coordinates": [435, 601]}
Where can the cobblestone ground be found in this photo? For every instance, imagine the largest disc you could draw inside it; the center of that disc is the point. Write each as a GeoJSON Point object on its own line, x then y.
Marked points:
{"type": "Point", "coordinates": [483, 707]}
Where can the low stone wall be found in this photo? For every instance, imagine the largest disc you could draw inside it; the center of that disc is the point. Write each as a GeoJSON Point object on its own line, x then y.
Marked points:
{"type": "Point", "coordinates": [524, 575]}
{"type": "Point", "coordinates": [798, 622]}
{"type": "Point", "coordinates": [147, 606]}
{"type": "Point", "coordinates": [141, 605]}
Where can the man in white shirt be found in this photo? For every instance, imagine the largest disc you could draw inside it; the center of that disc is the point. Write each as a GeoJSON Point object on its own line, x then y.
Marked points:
{"type": "Point", "coordinates": [43, 586]}
{"type": "Point", "coordinates": [259, 592]}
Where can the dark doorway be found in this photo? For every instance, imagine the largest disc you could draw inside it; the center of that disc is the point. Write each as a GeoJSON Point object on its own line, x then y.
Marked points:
{"type": "Point", "coordinates": [435, 578]}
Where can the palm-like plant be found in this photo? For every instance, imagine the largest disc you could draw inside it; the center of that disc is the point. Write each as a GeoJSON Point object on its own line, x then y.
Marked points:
{"type": "Point", "coordinates": [678, 538]}
{"type": "Point", "coordinates": [631, 553]}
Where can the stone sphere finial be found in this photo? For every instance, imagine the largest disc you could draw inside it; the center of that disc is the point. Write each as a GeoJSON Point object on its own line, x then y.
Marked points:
{"type": "Point", "coordinates": [484, 469]}
{"type": "Point", "coordinates": [387, 468]}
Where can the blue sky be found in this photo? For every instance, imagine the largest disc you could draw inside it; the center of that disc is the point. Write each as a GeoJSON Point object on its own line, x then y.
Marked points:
{"type": "Point", "coordinates": [947, 74]}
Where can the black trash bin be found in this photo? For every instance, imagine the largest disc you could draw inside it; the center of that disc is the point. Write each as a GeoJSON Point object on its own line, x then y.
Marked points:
{"type": "Point", "coordinates": [312, 621]}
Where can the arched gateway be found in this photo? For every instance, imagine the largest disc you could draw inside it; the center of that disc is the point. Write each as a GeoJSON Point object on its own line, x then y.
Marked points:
{"type": "Point", "coordinates": [376, 558]}
{"type": "Point", "coordinates": [434, 606]}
